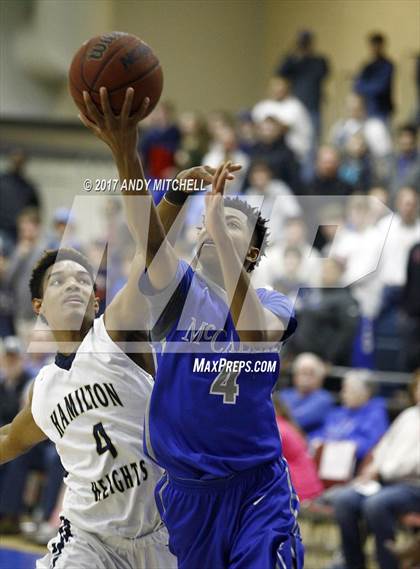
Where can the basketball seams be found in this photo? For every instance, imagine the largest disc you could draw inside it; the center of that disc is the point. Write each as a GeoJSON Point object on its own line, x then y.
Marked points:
{"type": "Point", "coordinates": [104, 64]}
{"type": "Point", "coordinates": [139, 78]}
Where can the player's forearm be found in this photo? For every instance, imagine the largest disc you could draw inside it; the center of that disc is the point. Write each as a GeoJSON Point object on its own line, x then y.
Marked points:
{"type": "Point", "coordinates": [9, 450]}
{"type": "Point", "coordinates": [245, 307]}
{"type": "Point", "coordinates": [144, 223]}
{"type": "Point", "coordinates": [138, 205]}
{"type": "Point", "coordinates": [168, 213]}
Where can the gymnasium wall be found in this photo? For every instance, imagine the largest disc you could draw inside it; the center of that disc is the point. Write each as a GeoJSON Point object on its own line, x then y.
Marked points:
{"type": "Point", "coordinates": [211, 51]}
{"type": "Point", "coordinates": [215, 53]}
{"type": "Point", "coordinates": [341, 27]}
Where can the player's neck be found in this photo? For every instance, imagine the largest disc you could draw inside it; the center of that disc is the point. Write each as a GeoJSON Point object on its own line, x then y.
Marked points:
{"type": "Point", "coordinates": [215, 276]}
{"type": "Point", "coordinates": [69, 340]}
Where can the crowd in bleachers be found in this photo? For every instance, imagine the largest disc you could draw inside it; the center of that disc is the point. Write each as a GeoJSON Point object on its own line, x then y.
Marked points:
{"type": "Point", "coordinates": [350, 264]}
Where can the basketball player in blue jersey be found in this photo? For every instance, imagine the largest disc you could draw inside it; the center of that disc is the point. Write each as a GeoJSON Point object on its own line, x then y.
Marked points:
{"type": "Point", "coordinates": [226, 497]}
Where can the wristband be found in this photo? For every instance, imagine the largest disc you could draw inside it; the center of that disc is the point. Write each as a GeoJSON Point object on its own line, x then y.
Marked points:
{"type": "Point", "coordinates": [175, 196]}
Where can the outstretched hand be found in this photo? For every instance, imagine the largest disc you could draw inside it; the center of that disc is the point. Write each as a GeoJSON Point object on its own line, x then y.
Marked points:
{"type": "Point", "coordinates": [215, 214]}
{"type": "Point", "coordinates": [206, 174]}
{"type": "Point", "coordinates": [119, 132]}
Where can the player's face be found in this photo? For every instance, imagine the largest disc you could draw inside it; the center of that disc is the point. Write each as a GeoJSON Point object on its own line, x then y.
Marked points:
{"type": "Point", "coordinates": [240, 233]}
{"type": "Point", "coordinates": [69, 299]}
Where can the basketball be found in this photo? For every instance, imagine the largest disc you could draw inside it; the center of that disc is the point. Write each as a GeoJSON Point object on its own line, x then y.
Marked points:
{"type": "Point", "coordinates": [116, 61]}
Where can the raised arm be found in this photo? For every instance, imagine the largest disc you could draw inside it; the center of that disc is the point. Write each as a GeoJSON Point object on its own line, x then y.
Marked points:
{"type": "Point", "coordinates": [120, 133]}
{"type": "Point", "coordinates": [20, 435]}
{"type": "Point", "coordinates": [253, 322]}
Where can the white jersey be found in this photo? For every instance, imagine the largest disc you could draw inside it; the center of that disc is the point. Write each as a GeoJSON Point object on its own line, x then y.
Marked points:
{"type": "Point", "coordinates": [94, 414]}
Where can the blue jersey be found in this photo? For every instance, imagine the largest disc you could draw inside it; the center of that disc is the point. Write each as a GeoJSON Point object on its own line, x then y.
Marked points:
{"type": "Point", "coordinates": [210, 413]}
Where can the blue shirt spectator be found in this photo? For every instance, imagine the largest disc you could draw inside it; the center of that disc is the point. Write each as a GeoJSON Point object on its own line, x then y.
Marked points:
{"type": "Point", "coordinates": [362, 418]}
{"type": "Point", "coordinates": [308, 403]}
{"type": "Point", "coordinates": [374, 81]}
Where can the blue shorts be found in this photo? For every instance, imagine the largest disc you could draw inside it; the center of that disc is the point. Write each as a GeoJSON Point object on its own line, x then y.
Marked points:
{"type": "Point", "coordinates": [245, 521]}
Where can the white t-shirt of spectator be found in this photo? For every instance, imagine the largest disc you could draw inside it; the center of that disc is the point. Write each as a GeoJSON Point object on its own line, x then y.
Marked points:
{"type": "Point", "coordinates": [360, 251]}
{"type": "Point", "coordinates": [394, 258]}
{"type": "Point", "coordinates": [293, 114]}
{"type": "Point", "coordinates": [397, 456]}
{"type": "Point", "coordinates": [374, 131]}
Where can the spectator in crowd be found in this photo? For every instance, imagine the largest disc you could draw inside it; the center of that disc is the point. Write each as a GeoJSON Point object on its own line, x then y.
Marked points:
{"type": "Point", "coordinates": [404, 232]}
{"type": "Point", "coordinates": [302, 466]}
{"type": "Point", "coordinates": [6, 297]}
{"type": "Point", "coordinates": [16, 194]}
{"type": "Point", "coordinates": [307, 401]}
{"type": "Point", "coordinates": [159, 143]}
{"type": "Point", "coordinates": [361, 418]}
{"type": "Point", "coordinates": [405, 169]}
{"type": "Point", "coordinates": [245, 126]}
{"type": "Point", "coordinates": [44, 458]}
{"type": "Point", "coordinates": [116, 232]}
{"type": "Point", "coordinates": [194, 141]}
{"type": "Point", "coordinates": [290, 112]}
{"type": "Point", "coordinates": [410, 317]}
{"type": "Point", "coordinates": [373, 129]}
{"type": "Point", "coordinates": [374, 82]}
{"type": "Point", "coordinates": [40, 350]}
{"type": "Point", "coordinates": [216, 120]}
{"type": "Point", "coordinates": [307, 71]}
{"type": "Point", "coordinates": [327, 181]}
{"type": "Point", "coordinates": [358, 245]}
{"type": "Point", "coordinates": [272, 148]}
{"type": "Point", "coordinates": [272, 267]}
{"type": "Point", "coordinates": [15, 475]}
{"type": "Point", "coordinates": [63, 230]}
{"type": "Point", "coordinates": [28, 249]}
{"type": "Point", "coordinates": [279, 202]}
{"type": "Point", "coordinates": [328, 318]}
{"type": "Point", "coordinates": [13, 378]}
{"type": "Point", "coordinates": [356, 166]}
{"type": "Point", "coordinates": [290, 282]}
{"type": "Point", "coordinates": [377, 209]}
{"type": "Point", "coordinates": [387, 488]}
{"type": "Point", "coordinates": [331, 220]}
{"type": "Point", "coordinates": [225, 147]}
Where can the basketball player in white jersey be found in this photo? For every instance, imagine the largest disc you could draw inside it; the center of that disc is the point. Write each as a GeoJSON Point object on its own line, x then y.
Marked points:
{"type": "Point", "coordinates": [91, 403]}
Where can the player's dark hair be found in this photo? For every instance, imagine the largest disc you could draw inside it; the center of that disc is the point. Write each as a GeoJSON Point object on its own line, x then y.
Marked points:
{"type": "Point", "coordinates": [260, 234]}
{"type": "Point", "coordinates": [49, 258]}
